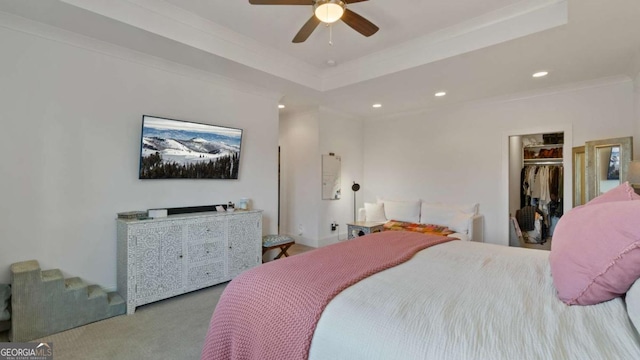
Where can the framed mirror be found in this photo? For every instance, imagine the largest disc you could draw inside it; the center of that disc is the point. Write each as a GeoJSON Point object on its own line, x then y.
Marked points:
{"type": "Point", "coordinates": [331, 165]}
{"type": "Point", "coordinates": [606, 164]}
{"type": "Point", "coordinates": [579, 188]}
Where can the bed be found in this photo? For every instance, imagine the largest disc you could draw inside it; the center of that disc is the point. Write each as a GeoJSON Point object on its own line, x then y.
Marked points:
{"type": "Point", "coordinates": [434, 298]}
{"type": "Point", "coordinates": [502, 306]}
{"type": "Point", "coordinates": [464, 220]}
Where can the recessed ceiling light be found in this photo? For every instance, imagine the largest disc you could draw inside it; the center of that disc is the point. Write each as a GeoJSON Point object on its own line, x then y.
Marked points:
{"type": "Point", "coordinates": [441, 94]}
{"type": "Point", "coordinates": [281, 106]}
{"type": "Point", "coordinates": [540, 74]}
{"type": "Point", "coordinates": [377, 105]}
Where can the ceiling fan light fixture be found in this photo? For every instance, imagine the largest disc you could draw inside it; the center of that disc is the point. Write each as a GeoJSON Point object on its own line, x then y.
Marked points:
{"type": "Point", "coordinates": [329, 11]}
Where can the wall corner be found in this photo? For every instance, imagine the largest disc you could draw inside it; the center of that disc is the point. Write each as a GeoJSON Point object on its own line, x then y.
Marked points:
{"type": "Point", "coordinates": [636, 104]}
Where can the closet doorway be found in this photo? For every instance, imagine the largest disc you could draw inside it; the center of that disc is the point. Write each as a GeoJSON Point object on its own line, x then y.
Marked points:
{"type": "Point", "coordinates": [539, 177]}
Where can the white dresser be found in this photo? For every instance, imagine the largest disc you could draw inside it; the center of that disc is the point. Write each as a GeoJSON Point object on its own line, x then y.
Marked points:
{"type": "Point", "coordinates": [161, 258]}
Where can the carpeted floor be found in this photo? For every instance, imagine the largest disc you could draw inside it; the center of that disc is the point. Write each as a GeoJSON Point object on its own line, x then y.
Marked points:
{"type": "Point", "coordinates": [171, 329]}
{"type": "Point", "coordinates": [545, 246]}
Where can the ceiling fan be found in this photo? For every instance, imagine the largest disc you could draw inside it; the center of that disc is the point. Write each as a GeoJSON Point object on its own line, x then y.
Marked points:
{"type": "Point", "coordinates": [326, 11]}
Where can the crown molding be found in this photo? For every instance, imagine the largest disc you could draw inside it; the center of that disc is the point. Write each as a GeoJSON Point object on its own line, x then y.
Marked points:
{"type": "Point", "coordinates": [554, 90]}
{"type": "Point", "coordinates": [166, 20]}
{"type": "Point", "coordinates": [330, 111]}
{"type": "Point", "coordinates": [499, 26]}
{"type": "Point", "coordinates": [55, 34]}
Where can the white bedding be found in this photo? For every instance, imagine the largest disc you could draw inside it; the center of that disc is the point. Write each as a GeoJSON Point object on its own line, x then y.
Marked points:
{"type": "Point", "coordinates": [467, 300]}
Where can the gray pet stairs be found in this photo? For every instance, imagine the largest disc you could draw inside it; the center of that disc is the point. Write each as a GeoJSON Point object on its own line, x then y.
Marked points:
{"type": "Point", "coordinates": [44, 302]}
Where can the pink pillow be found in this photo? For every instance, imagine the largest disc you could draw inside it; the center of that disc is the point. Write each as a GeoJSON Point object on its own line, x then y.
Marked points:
{"type": "Point", "coordinates": [621, 192]}
{"type": "Point", "coordinates": [595, 253]}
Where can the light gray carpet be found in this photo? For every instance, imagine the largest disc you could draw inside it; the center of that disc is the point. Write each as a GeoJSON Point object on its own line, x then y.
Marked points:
{"type": "Point", "coordinates": [171, 329]}
{"type": "Point", "coordinates": [174, 328]}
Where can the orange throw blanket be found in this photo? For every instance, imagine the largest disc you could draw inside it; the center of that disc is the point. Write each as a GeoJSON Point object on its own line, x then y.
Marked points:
{"type": "Point", "coordinates": [396, 225]}
{"type": "Point", "coordinates": [271, 311]}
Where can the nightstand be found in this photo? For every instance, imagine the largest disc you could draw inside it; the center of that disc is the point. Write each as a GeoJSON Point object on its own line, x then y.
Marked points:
{"type": "Point", "coordinates": [360, 228]}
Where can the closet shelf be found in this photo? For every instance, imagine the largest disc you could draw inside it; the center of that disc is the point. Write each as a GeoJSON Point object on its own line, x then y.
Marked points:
{"type": "Point", "coordinates": [548, 153]}
{"type": "Point", "coordinates": [542, 146]}
{"type": "Point", "coordinates": [543, 161]}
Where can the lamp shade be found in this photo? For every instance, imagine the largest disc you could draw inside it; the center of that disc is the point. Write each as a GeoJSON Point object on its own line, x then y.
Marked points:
{"type": "Point", "coordinates": [633, 174]}
{"type": "Point", "coordinates": [329, 11]}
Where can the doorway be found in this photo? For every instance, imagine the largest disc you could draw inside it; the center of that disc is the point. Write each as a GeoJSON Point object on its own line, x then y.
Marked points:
{"type": "Point", "coordinates": [528, 153]}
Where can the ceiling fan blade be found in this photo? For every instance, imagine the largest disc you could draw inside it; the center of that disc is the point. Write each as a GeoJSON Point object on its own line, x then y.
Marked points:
{"type": "Point", "coordinates": [353, 1]}
{"type": "Point", "coordinates": [281, 2]}
{"type": "Point", "coordinates": [306, 30]}
{"type": "Point", "coordinates": [358, 23]}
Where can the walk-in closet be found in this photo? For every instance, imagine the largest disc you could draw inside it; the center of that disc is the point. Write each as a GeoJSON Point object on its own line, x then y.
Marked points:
{"type": "Point", "coordinates": [536, 188]}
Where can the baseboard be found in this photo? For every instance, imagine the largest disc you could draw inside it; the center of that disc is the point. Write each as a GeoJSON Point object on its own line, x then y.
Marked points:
{"type": "Point", "coordinates": [304, 241]}
{"type": "Point", "coordinates": [334, 239]}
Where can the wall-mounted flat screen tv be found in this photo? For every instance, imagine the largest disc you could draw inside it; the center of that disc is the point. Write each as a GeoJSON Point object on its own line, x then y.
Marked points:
{"type": "Point", "coordinates": [176, 149]}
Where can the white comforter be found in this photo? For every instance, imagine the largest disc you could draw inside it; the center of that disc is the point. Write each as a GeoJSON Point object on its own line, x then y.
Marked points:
{"type": "Point", "coordinates": [466, 300]}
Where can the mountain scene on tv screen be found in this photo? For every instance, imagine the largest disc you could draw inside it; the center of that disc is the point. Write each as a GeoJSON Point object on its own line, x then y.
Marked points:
{"type": "Point", "coordinates": [175, 149]}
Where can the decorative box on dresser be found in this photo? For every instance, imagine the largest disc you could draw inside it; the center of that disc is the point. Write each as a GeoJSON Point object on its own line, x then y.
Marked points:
{"type": "Point", "coordinates": [163, 257]}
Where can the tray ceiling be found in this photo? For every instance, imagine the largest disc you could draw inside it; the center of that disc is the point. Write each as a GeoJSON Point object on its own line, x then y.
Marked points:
{"type": "Point", "coordinates": [471, 49]}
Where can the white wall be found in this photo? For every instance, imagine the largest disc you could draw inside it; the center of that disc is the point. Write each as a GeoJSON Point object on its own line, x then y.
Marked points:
{"type": "Point", "coordinates": [341, 135]}
{"type": "Point", "coordinates": [515, 166]}
{"type": "Point", "coordinates": [304, 138]}
{"type": "Point", "coordinates": [455, 155]}
{"type": "Point", "coordinates": [636, 136]}
{"type": "Point", "coordinates": [71, 109]}
{"type": "Point", "coordinates": [300, 176]}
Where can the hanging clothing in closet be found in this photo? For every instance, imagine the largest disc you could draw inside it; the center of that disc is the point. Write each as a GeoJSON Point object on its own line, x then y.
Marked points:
{"type": "Point", "coordinates": [556, 186]}
{"type": "Point", "coordinates": [541, 185]}
{"type": "Point", "coordinates": [541, 190]}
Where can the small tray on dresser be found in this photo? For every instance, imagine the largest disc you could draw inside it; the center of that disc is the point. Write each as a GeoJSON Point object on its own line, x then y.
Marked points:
{"type": "Point", "coordinates": [132, 215]}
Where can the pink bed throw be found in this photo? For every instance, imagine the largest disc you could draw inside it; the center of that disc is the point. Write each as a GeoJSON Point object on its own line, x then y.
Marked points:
{"type": "Point", "coordinates": [270, 312]}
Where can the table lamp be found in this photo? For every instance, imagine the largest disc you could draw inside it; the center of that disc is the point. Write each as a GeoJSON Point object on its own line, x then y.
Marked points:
{"type": "Point", "coordinates": [633, 175]}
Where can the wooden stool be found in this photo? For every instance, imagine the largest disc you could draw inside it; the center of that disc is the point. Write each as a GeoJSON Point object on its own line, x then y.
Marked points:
{"type": "Point", "coordinates": [282, 242]}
